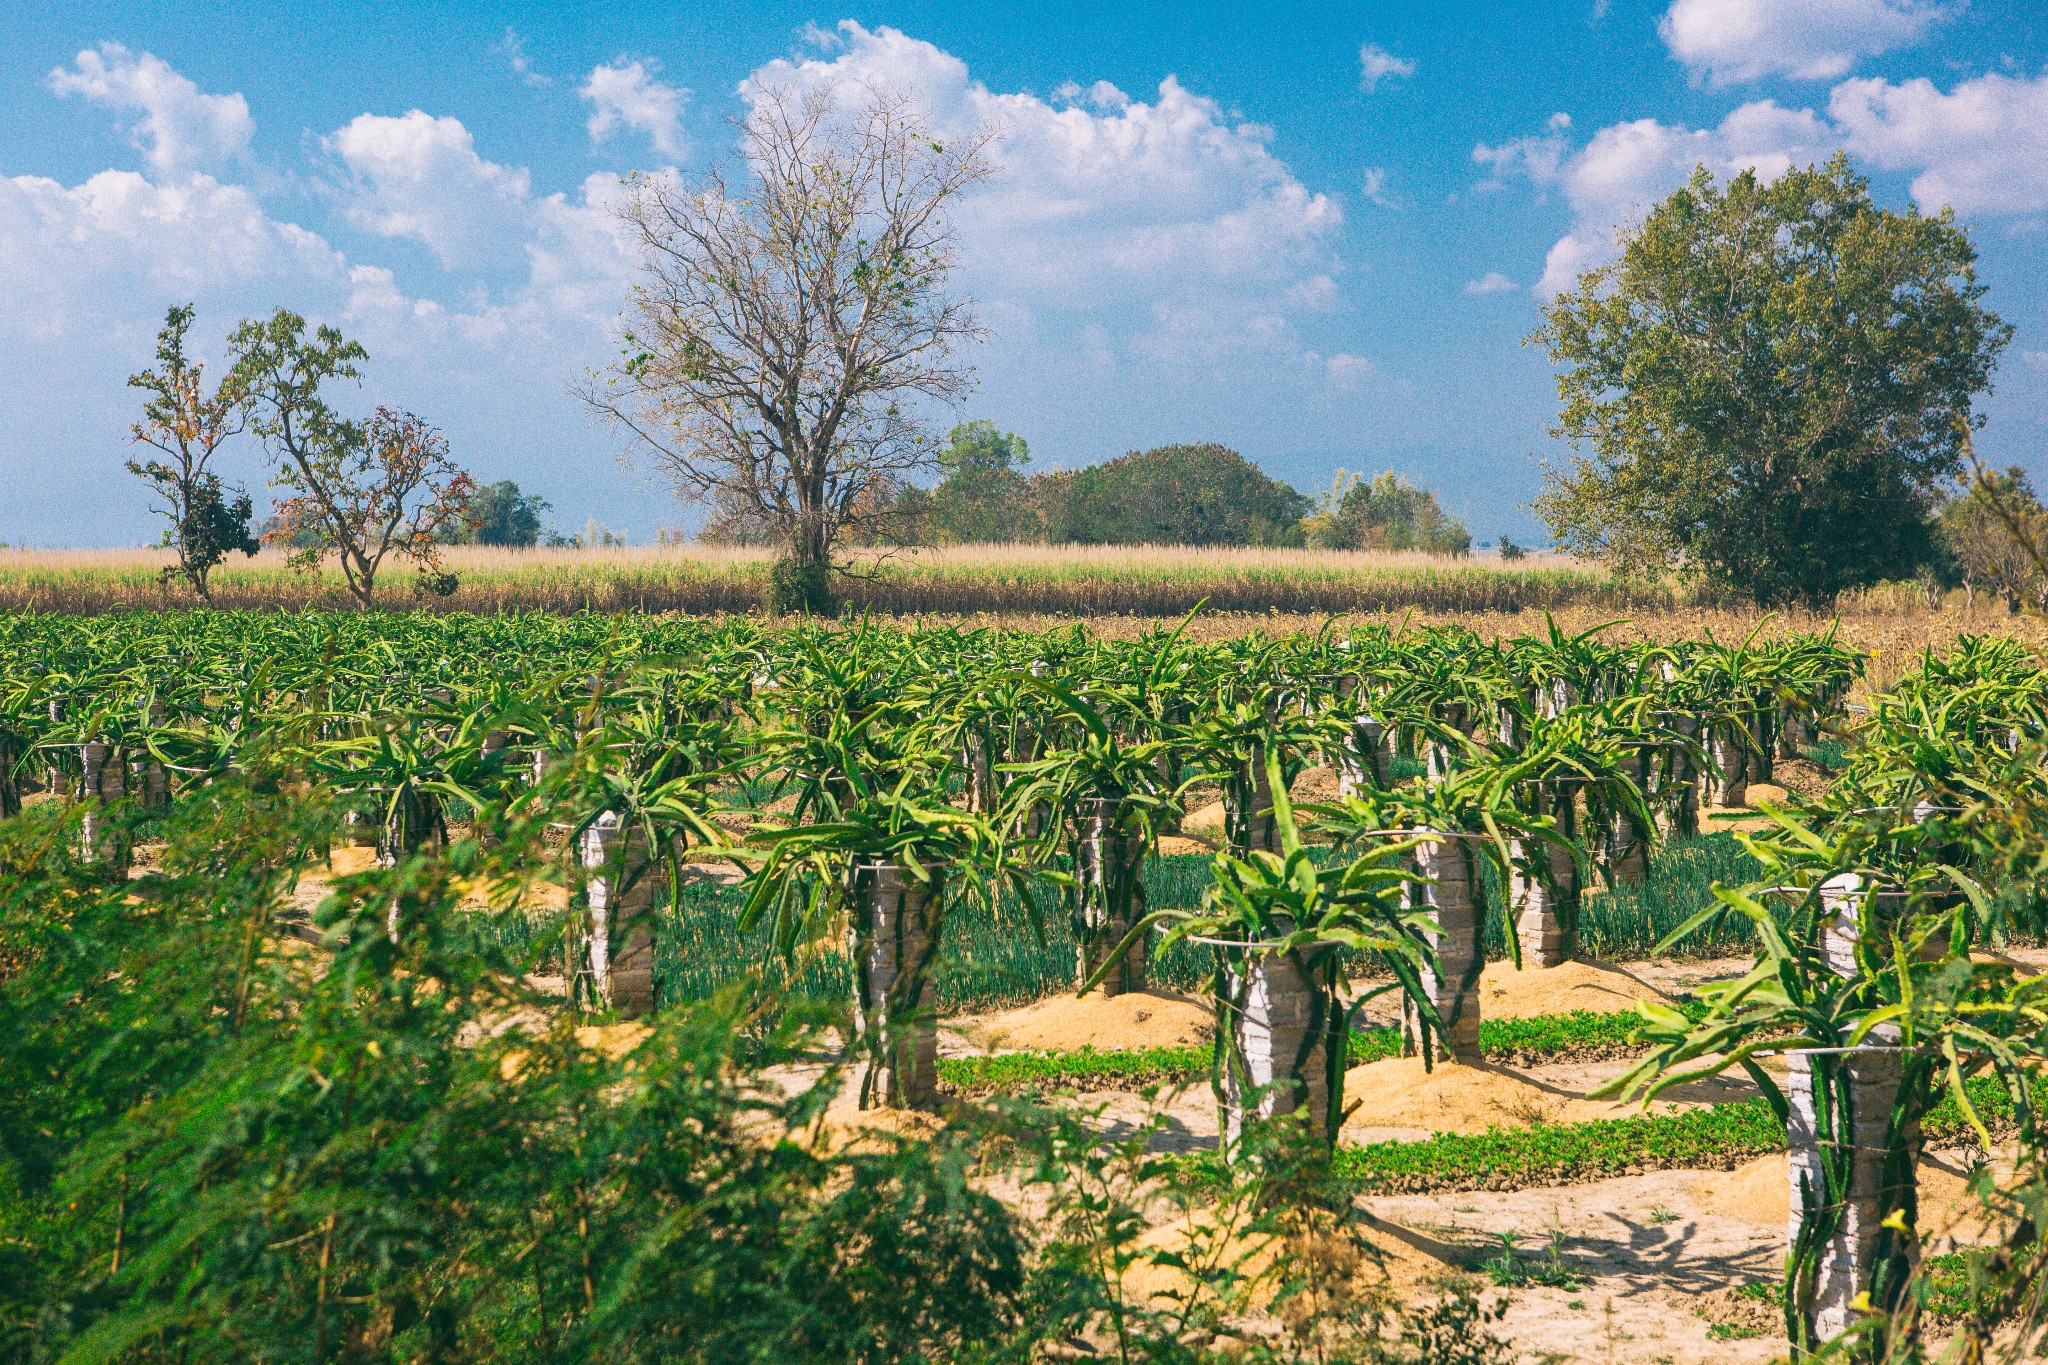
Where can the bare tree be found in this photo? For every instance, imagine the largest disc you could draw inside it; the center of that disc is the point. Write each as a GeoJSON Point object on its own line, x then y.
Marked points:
{"type": "Point", "coordinates": [187, 424]}
{"type": "Point", "coordinates": [363, 490]}
{"type": "Point", "coordinates": [777, 333]}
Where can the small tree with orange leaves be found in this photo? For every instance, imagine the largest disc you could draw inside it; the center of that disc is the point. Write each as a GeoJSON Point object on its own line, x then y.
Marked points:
{"type": "Point", "coordinates": [364, 491]}
{"type": "Point", "coordinates": [209, 520]}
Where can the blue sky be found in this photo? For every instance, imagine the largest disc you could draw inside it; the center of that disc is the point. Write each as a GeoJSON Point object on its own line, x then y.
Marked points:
{"type": "Point", "coordinates": [1316, 233]}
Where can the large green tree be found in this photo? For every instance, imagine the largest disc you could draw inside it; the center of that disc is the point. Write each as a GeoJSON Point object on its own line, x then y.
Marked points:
{"type": "Point", "coordinates": [1205, 494]}
{"type": "Point", "coordinates": [1773, 385]}
{"type": "Point", "coordinates": [979, 499]}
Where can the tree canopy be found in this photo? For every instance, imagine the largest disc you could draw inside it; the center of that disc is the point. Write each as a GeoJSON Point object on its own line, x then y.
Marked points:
{"type": "Point", "coordinates": [1774, 384]}
{"type": "Point", "coordinates": [1386, 513]}
{"type": "Point", "coordinates": [1204, 494]}
{"type": "Point", "coordinates": [782, 333]}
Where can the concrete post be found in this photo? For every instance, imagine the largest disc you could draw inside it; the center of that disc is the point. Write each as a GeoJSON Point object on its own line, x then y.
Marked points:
{"type": "Point", "coordinates": [1109, 860]}
{"type": "Point", "coordinates": [619, 889]}
{"type": "Point", "coordinates": [1279, 1033]}
{"type": "Point", "coordinates": [1366, 761]}
{"type": "Point", "coordinates": [894, 941]}
{"type": "Point", "coordinates": [1451, 981]}
{"type": "Point", "coordinates": [154, 785]}
{"type": "Point", "coordinates": [1248, 821]}
{"type": "Point", "coordinates": [104, 782]}
{"type": "Point", "coordinates": [1728, 783]}
{"type": "Point", "coordinates": [1678, 782]}
{"type": "Point", "coordinates": [1627, 844]}
{"type": "Point", "coordinates": [1547, 906]}
{"type": "Point", "coordinates": [1851, 1257]}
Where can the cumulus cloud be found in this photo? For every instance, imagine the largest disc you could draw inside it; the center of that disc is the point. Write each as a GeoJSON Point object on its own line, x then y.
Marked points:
{"type": "Point", "coordinates": [72, 257]}
{"type": "Point", "coordinates": [1731, 41]}
{"type": "Point", "coordinates": [1982, 148]}
{"type": "Point", "coordinates": [1376, 64]}
{"type": "Point", "coordinates": [1166, 214]}
{"type": "Point", "coordinates": [1626, 167]}
{"type": "Point", "coordinates": [1537, 159]}
{"type": "Point", "coordinates": [517, 298]}
{"type": "Point", "coordinates": [1373, 188]}
{"type": "Point", "coordinates": [1492, 282]}
{"type": "Point", "coordinates": [181, 129]}
{"type": "Point", "coordinates": [419, 176]}
{"type": "Point", "coordinates": [628, 96]}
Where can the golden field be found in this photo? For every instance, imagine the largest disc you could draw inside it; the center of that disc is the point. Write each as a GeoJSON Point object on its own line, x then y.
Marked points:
{"type": "Point", "coordinates": [1120, 590]}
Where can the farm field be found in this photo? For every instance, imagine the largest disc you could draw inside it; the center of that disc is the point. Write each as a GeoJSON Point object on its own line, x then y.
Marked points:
{"type": "Point", "coordinates": [1364, 916]}
{"type": "Point", "coordinates": [1121, 592]}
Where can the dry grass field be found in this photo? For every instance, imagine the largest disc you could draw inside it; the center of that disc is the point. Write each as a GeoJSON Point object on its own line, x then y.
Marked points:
{"type": "Point", "coordinates": [1120, 591]}
{"type": "Point", "coordinates": [1063, 580]}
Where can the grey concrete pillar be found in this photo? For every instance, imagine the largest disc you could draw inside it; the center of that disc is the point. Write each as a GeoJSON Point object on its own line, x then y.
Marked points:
{"type": "Point", "coordinates": [1626, 843]}
{"type": "Point", "coordinates": [1677, 794]}
{"type": "Point", "coordinates": [1366, 760]}
{"type": "Point", "coordinates": [1728, 755]}
{"type": "Point", "coordinates": [1451, 981]}
{"type": "Point", "coordinates": [153, 784]}
{"type": "Point", "coordinates": [619, 890]}
{"type": "Point", "coordinates": [1851, 1257]}
{"type": "Point", "coordinates": [103, 782]}
{"type": "Point", "coordinates": [1279, 1034]}
{"type": "Point", "coordinates": [1109, 859]}
{"type": "Point", "coordinates": [1546, 898]}
{"type": "Point", "coordinates": [894, 941]}
{"type": "Point", "coordinates": [1248, 821]}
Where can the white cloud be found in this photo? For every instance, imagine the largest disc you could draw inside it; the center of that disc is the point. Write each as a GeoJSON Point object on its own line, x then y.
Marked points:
{"type": "Point", "coordinates": [1492, 282]}
{"type": "Point", "coordinates": [1373, 189]}
{"type": "Point", "coordinates": [1730, 41]}
{"type": "Point", "coordinates": [419, 176]}
{"type": "Point", "coordinates": [181, 130]}
{"type": "Point", "coordinates": [1980, 149]}
{"type": "Point", "coordinates": [1376, 64]}
{"type": "Point", "coordinates": [73, 258]}
{"type": "Point", "coordinates": [1165, 219]}
{"type": "Point", "coordinates": [628, 96]}
{"type": "Point", "coordinates": [1538, 159]}
{"type": "Point", "coordinates": [1627, 167]}
{"type": "Point", "coordinates": [512, 47]}
{"type": "Point", "coordinates": [1348, 371]}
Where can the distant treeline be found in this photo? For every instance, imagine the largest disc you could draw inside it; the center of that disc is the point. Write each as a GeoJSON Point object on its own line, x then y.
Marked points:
{"type": "Point", "coordinates": [1206, 494]}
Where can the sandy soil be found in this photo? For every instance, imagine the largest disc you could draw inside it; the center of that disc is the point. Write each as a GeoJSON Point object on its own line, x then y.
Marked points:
{"type": "Point", "coordinates": [1061, 1023]}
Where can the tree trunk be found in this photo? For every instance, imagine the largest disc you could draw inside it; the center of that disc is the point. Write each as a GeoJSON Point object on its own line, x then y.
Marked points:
{"type": "Point", "coordinates": [895, 939]}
